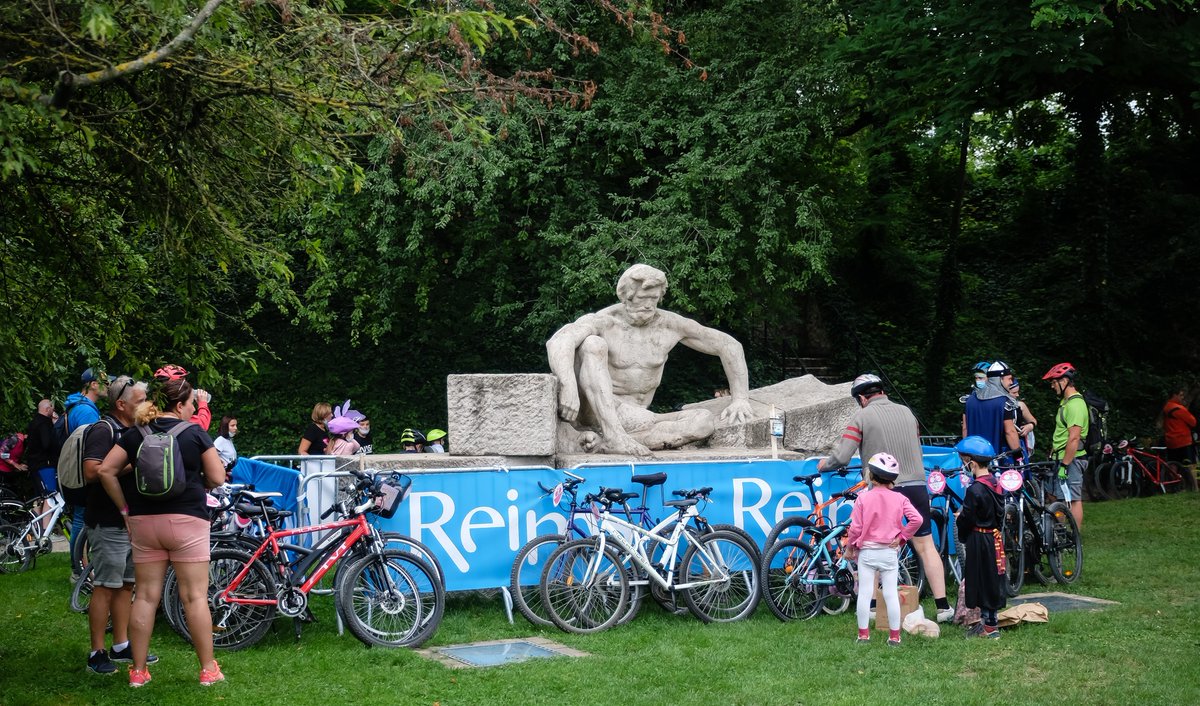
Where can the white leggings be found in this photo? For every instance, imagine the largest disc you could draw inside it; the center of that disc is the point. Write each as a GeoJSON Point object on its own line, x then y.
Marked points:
{"type": "Point", "coordinates": [881, 564]}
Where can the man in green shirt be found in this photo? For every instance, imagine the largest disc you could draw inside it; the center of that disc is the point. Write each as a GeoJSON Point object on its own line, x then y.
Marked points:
{"type": "Point", "coordinates": [1070, 429]}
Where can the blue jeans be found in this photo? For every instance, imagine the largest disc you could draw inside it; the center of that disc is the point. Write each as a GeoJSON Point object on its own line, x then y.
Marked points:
{"type": "Point", "coordinates": [76, 526]}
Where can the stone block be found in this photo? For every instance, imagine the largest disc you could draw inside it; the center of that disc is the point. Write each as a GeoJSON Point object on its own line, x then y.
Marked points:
{"type": "Point", "coordinates": [506, 415]}
{"type": "Point", "coordinates": [814, 415]}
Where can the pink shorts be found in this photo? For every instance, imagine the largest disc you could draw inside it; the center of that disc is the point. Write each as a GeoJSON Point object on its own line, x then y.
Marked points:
{"type": "Point", "coordinates": [162, 537]}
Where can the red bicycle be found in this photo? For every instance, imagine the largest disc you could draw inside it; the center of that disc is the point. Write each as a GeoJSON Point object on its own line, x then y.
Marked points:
{"type": "Point", "coordinates": [383, 595]}
{"type": "Point", "coordinates": [1135, 471]}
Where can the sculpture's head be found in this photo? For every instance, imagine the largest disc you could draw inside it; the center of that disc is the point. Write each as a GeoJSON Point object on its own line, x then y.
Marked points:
{"type": "Point", "coordinates": [640, 289]}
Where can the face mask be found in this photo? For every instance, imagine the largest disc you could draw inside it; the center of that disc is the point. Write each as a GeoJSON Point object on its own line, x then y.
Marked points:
{"type": "Point", "coordinates": [232, 433]}
{"type": "Point", "coordinates": [364, 430]}
{"type": "Point", "coordinates": [980, 384]}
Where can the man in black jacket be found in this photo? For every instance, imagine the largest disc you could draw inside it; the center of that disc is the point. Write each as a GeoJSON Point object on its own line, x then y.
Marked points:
{"type": "Point", "coordinates": [41, 448]}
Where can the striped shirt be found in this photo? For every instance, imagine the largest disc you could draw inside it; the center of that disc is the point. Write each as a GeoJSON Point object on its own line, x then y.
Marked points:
{"type": "Point", "coordinates": [883, 425]}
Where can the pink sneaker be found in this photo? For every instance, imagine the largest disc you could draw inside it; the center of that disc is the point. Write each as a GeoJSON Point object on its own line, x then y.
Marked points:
{"type": "Point", "coordinates": [208, 677]}
{"type": "Point", "coordinates": [139, 677]}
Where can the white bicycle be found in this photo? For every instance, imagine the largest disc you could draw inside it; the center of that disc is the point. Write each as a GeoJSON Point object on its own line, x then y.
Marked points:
{"type": "Point", "coordinates": [587, 583]}
{"type": "Point", "coordinates": [23, 540]}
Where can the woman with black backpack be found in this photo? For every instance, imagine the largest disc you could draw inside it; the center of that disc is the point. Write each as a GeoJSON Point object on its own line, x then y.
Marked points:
{"type": "Point", "coordinates": [167, 516]}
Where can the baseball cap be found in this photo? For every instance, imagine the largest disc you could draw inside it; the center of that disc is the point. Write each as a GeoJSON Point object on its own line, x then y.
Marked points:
{"type": "Point", "coordinates": [89, 375]}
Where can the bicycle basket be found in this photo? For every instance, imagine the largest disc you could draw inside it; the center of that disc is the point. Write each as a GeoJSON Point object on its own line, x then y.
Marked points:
{"type": "Point", "coordinates": [389, 493]}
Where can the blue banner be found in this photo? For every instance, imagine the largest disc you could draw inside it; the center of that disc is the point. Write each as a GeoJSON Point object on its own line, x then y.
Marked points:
{"type": "Point", "coordinates": [477, 521]}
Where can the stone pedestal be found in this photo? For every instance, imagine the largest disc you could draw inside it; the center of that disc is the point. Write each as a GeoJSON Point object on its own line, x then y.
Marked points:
{"type": "Point", "coordinates": [502, 415]}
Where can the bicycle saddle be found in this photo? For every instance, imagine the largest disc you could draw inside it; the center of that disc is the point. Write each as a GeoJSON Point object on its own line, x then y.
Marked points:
{"type": "Point", "coordinates": [686, 502]}
{"type": "Point", "coordinates": [255, 496]}
{"type": "Point", "coordinates": [248, 510]}
{"type": "Point", "coordinates": [650, 479]}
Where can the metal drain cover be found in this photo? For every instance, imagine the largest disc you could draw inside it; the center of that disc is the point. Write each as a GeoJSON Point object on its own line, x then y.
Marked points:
{"type": "Point", "coordinates": [494, 653]}
{"type": "Point", "coordinates": [1062, 602]}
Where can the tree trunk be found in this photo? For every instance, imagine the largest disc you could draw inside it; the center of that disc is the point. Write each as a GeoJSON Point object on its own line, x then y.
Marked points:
{"type": "Point", "coordinates": [949, 291]}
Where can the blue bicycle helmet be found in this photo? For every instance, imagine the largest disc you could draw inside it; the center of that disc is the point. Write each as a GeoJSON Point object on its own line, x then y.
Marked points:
{"type": "Point", "coordinates": [981, 366]}
{"type": "Point", "coordinates": [977, 448]}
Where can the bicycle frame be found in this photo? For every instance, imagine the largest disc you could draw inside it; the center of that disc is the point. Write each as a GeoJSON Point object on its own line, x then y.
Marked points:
{"type": "Point", "coordinates": [325, 552]}
{"type": "Point", "coordinates": [1156, 476]}
{"type": "Point", "coordinates": [35, 527]}
{"type": "Point", "coordinates": [636, 550]}
{"type": "Point", "coordinates": [837, 560]}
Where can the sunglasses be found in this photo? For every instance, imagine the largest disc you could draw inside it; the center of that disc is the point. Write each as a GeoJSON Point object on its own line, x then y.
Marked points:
{"type": "Point", "coordinates": [124, 386]}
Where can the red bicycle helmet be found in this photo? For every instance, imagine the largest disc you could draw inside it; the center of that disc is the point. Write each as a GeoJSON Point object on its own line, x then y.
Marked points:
{"type": "Point", "coordinates": [1062, 370]}
{"type": "Point", "coordinates": [170, 372]}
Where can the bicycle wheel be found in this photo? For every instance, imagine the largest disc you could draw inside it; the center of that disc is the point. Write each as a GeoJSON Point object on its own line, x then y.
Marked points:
{"type": "Point", "coordinates": [381, 602]}
{"type": "Point", "coordinates": [748, 540]}
{"type": "Point", "coordinates": [912, 573]}
{"type": "Point", "coordinates": [1014, 557]}
{"type": "Point", "coordinates": [584, 591]}
{"type": "Point", "coordinates": [430, 591]}
{"type": "Point", "coordinates": [16, 549]}
{"type": "Point", "coordinates": [403, 542]}
{"type": "Point", "coordinates": [789, 528]}
{"type": "Point", "coordinates": [787, 574]}
{"type": "Point", "coordinates": [725, 556]}
{"type": "Point", "coordinates": [15, 513]}
{"type": "Point", "coordinates": [172, 605]}
{"type": "Point", "coordinates": [1123, 480]}
{"type": "Point", "coordinates": [80, 551]}
{"type": "Point", "coordinates": [1064, 548]}
{"type": "Point", "coordinates": [236, 625]}
{"type": "Point", "coordinates": [1092, 484]}
{"type": "Point", "coordinates": [525, 578]}
{"type": "Point", "coordinates": [81, 591]}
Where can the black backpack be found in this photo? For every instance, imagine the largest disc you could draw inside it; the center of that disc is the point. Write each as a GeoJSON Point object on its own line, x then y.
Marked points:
{"type": "Point", "coordinates": [1097, 432]}
{"type": "Point", "coordinates": [62, 429]}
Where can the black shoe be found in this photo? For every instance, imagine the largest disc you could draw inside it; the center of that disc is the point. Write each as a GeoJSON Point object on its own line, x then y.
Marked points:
{"type": "Point", "coordinates": [99, 663]}
{"type": "Point", "coordinates": [126, 655]}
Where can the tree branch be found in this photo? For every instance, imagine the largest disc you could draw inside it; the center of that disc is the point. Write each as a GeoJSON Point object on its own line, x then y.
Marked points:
{"type": "Point", "coordinates": [68, 81]}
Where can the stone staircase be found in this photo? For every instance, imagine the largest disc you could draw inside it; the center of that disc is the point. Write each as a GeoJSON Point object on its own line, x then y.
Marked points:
{"type": "Point", "coordinates": [817, 366]}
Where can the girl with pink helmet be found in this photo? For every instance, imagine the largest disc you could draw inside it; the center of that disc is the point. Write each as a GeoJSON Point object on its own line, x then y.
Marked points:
{"type": "Point", "coordinates": [878, 528]}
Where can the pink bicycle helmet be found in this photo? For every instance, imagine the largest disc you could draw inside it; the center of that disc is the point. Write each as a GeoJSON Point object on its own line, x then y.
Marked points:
{"type": "Point", "coordinates": [1062, 370]}
{"type": "Point", "coordinates": [884, 466]}
{"type": "Point", "coordinates": [170, 372]}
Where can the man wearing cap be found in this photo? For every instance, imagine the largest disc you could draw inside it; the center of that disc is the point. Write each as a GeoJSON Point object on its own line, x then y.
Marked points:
{"type": "Point", "coordinates": [882, 426]}
{"type": "Point", "coordinates": [80, 408]}
{"type": "Point", "coordinates": [991, 413]}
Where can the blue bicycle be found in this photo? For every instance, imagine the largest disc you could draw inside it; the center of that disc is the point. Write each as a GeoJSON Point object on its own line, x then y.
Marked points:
{"type": "Point", "coordinates": [800, 573]}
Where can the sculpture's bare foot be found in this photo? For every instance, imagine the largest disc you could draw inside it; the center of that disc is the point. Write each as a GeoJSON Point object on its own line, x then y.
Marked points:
{"type": "Point", "coordinates": [589, 441]}
{"type": "Point", "coordinates": [572, 440]}
{"type": "Point", "coordinates": [623, 444]}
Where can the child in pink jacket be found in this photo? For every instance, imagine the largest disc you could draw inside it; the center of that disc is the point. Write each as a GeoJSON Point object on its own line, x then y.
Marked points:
{"type": "Point", "coordinates": [877, 531]}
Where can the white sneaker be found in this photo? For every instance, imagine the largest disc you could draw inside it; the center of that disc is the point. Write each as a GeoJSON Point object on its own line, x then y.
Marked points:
{"type": "Point", "coordinates": [945, 616]}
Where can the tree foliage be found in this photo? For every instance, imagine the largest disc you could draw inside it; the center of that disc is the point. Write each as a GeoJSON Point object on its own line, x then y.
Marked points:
{"type": "Point", "coordinates": [331, 200]}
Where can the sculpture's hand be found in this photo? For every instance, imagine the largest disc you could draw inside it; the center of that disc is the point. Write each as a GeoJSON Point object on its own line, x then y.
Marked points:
{"type": "Point", "coordinates": [568, 402]}
{"type": "Point", "coordinates": [738, 412]}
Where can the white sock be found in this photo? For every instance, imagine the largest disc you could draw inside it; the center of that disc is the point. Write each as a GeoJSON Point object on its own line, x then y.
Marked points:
{"type": "Point", "coordinates": [123, 645]}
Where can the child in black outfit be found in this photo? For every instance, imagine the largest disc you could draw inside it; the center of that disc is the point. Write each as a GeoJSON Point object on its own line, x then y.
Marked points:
{"type": "Point", "coordinates": [979, 528]}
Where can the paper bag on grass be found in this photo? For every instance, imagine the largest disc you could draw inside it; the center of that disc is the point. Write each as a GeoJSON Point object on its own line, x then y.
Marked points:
{"type": "Point", "coordinates": [915, 623]}
{"type": "Point", "coordinates": [1023, 613]}
{"type": "Point", "coordinates": [908, 603]}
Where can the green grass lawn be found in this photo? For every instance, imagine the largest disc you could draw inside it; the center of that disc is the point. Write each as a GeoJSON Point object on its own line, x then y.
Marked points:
{"type": "Point", "coordinates": [1141, 553]}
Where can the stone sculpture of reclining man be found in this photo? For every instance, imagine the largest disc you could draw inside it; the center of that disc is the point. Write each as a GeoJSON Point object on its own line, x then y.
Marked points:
{"type": "Point", "coordinates": [609, 365]}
